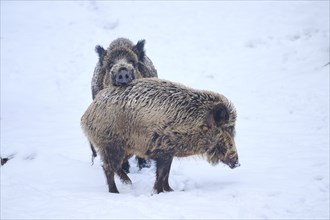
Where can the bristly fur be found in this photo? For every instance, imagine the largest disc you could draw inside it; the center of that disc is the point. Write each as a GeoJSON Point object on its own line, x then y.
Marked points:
{"type": "Point", "coordinates": [159, 119]}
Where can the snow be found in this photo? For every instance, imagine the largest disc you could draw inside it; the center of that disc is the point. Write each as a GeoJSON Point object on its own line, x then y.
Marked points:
{"type": "Point", "coordinates": [270, 58]}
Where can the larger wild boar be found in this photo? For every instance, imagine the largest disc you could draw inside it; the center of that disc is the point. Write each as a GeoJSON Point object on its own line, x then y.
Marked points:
{"type": "Point", "coordinates": [159, 119]}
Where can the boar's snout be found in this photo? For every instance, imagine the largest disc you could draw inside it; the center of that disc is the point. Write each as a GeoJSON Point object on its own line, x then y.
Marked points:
{"type": "Point", "coordinates": [232, 161]}
{"type": "Point", "coordinates": [234, 164]}
{"type": "Point", "coordinates": [124, 77]}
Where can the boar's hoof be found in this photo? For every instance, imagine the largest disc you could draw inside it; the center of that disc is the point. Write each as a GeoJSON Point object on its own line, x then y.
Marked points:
{"type": "Point", "coordinates": [168, 189]}
{"type": "Point", "coordinates": [113, 189]}
{"type": "Point", "coordinates": [159, 188]}
{"type": "Point", "coordinates": [157, 191]}
{"type": "Point", "coordinates": [123, 177]}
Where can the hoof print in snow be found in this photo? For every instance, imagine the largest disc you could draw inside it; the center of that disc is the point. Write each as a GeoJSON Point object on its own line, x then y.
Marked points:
{"type": "Point", "coordinates": [30, 157]}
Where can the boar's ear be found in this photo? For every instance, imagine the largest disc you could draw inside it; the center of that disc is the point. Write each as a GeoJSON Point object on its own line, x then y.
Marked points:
{"type": "Point", "coordinates": [218, 115]}
{"type": "Point", "coordinates": [139, 49]}
{"type": "Point", "coordinates": [101, 52]}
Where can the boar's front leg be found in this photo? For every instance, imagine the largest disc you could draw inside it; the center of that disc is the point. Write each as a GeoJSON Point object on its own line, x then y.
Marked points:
{"type": "Point", "coordinates": [110, 175]}
{"type": "Point", "coordinates": [163, 165]}
{"type": "Point", "coordinates": [112, 157]}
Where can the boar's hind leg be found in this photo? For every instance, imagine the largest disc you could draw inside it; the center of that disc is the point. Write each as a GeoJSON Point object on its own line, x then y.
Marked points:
{"type": "Point", "coordinates": [142, 163]}
{"type": "Point", "coordinates": [112, 158]}
{"type": "Point", "coordinates": [163, 165]}
{"type": "Point", "coordinates": [122, 172]}
{"type": "Point", "coordinates": [125, 166]}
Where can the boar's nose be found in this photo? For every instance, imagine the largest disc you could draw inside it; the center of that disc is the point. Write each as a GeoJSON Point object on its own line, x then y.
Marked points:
{"type": "Point", "coordinates": [124, 77]}
{"type": "Point", "coordinates": [234, 165]}
{"type": "Point", "coordinates": [233, 162]}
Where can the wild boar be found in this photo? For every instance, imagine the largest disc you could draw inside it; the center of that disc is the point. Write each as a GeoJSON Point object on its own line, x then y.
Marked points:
{"type": "Point", "coordinates": [158, 119]}
{"type": "Point", "coordinates": [118, 66]}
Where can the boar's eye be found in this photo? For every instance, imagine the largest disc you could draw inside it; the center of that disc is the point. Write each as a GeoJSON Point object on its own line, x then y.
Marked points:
{"type": "Point", "coordinates": [231, 130]}
{"type": "Point", "coordinates": [110, 65]}
{"type": "Point", "coordinates": [132, 62]}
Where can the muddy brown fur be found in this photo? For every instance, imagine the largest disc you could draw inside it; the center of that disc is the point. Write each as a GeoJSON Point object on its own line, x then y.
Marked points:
{"type": "Point", "coordinates": [158, 119]}
{"type": "Point", "coordinates": [121, 63]}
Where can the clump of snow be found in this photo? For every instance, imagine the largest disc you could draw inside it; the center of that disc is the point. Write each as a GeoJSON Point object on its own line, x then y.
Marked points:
{"type": "Point", "coordinates": [271, 58]}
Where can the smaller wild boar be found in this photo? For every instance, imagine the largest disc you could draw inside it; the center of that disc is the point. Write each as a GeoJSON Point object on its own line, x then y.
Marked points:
{"type": "Point", "coordinates": [158, 119]}
{"type": "Point", "coordinates": [118, 65]}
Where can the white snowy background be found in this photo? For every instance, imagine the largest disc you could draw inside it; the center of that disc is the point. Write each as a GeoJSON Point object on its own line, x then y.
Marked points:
{"type": "Point", "coordinates": [271, 58]}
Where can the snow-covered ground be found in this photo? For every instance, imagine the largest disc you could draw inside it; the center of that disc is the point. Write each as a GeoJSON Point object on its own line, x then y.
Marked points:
{"type": "Point", "coordinates": [271, 58]}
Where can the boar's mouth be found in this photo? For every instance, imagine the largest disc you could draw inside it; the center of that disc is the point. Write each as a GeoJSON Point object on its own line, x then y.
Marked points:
{"type": "Point", "coordinates": [219, 153]}
{"type": "Point", "coordinates": [232, 162]}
